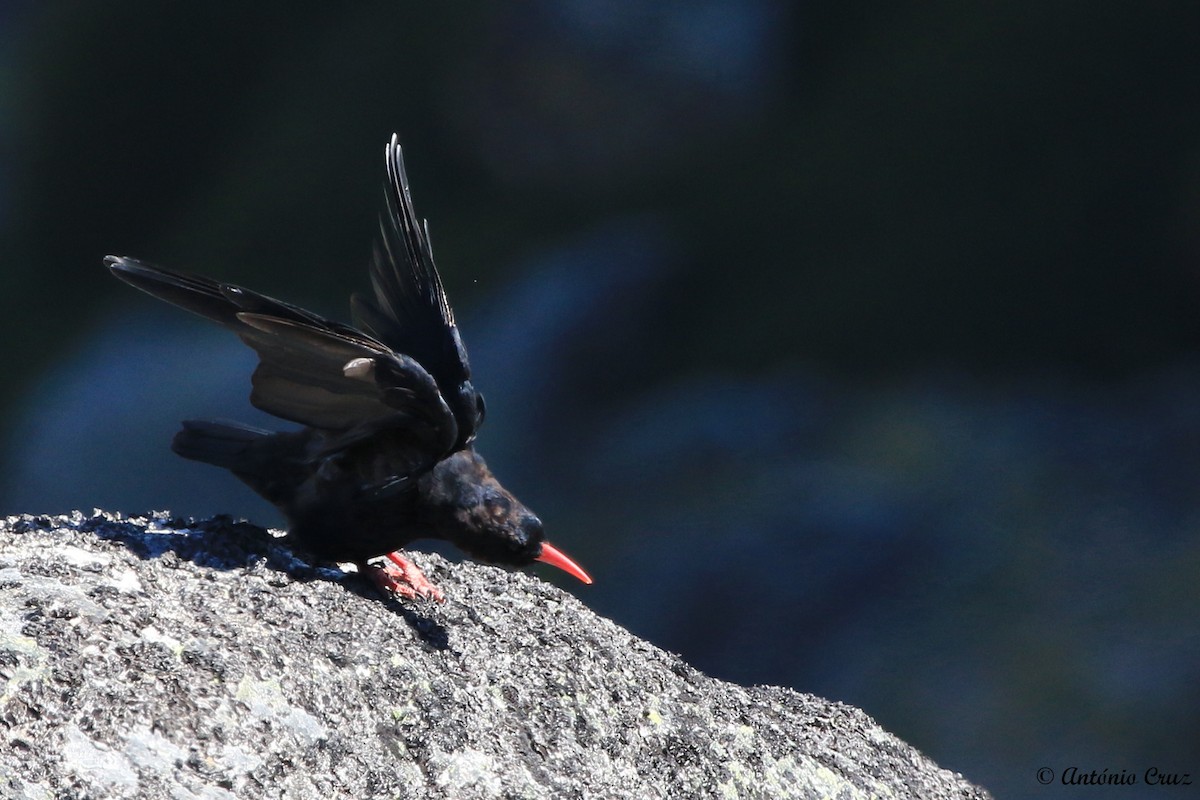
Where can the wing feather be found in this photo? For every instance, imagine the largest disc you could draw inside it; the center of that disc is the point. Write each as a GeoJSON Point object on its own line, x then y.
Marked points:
{"type": "Point", "coordinates": [302, 373]}
{"type": "Point", "coordinates": [410, 311]}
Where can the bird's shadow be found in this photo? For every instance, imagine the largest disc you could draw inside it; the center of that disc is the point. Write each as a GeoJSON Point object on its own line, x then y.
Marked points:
{"type": "Point", "coordinates": [224, 543]}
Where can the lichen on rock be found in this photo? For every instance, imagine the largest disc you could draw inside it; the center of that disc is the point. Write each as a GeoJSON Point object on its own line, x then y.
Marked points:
{"type": "Point", "coordinates": [157, 657]}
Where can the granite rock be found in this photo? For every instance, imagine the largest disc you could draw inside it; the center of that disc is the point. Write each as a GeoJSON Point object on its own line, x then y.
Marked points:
{"type": "Point", "coordinates": [165, 658]}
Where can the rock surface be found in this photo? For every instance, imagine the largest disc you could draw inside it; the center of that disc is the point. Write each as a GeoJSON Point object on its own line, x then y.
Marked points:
{"type": "Point", "coordinates": [159, 658]}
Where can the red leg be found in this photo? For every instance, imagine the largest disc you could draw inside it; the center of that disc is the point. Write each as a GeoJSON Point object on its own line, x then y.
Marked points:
{"type": "Point", "coordinates": [404, 579]}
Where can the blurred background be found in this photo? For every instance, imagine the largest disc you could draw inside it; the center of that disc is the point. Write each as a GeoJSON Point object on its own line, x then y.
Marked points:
{"type": "Point", "coordinates": [851, 346]}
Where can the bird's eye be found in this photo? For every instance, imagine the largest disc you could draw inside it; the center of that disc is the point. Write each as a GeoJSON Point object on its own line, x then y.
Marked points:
{"type": "Point", "coordinates": [497, 506]}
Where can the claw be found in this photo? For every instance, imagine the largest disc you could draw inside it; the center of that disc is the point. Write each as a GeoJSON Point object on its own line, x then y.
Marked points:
{"type": "Point", "coordinates": [404, 579]}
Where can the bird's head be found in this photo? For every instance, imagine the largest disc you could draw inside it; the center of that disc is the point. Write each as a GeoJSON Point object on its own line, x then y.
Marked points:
{"type": "Point", "coordinates": [484, 520]}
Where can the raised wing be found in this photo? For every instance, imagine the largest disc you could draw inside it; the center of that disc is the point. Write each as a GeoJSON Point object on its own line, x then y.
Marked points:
{"type": "Point", "coordinates": [410, 312]}
{"type": "Point", "coordinates": [314, 371]}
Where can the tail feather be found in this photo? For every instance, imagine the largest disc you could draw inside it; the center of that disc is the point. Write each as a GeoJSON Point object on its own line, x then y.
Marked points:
{"type": "Point", "coordinates": [271, 463]}
{"type": "Point", "coordinates": [222, 444]}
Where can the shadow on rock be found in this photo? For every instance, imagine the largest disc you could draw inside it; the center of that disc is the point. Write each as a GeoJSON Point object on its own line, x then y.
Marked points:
{"type": "Point", "coordinates": [221, 542]}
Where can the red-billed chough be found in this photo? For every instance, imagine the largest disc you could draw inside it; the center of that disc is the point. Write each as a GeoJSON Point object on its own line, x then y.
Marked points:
{"type": "Point", "coordinates": [386, 453]}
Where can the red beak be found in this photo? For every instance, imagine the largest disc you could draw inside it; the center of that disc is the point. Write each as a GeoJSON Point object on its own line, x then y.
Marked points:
{"type": "Point", "coordinates": [553, 556]}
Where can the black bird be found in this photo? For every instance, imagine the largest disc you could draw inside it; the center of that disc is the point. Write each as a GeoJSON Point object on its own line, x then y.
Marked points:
{"type": "Point", "coordinates": [386, 453]}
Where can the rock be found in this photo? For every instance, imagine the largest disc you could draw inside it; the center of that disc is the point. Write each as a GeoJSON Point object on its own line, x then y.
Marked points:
{"type": "Point", "coordinates": [157, 657]}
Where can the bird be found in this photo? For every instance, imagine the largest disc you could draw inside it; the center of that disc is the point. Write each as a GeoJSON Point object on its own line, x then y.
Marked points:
{"type": "Point", "coordinates": [385, 454]}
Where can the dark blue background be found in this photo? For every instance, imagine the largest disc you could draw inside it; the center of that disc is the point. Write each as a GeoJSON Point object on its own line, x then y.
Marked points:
{"type": "Point", "coordinates": [852, 346]}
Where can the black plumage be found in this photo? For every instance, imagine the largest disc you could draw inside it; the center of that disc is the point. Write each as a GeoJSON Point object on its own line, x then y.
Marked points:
{"type": "Point", "coordinates": [389, 414]}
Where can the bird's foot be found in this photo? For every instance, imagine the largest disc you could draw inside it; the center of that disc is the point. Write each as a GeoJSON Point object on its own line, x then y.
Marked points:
{"type": "Point", "coordinates": [404, 579]}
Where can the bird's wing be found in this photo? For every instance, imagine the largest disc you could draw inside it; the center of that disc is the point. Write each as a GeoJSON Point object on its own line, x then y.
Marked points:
{"type": "Point", "coordinates": [410, 312]}
{"type": "Point", "coordinates": [311, 370]}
